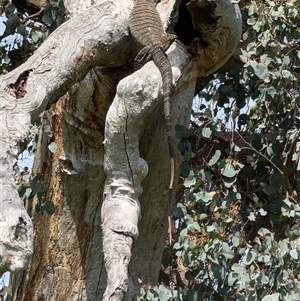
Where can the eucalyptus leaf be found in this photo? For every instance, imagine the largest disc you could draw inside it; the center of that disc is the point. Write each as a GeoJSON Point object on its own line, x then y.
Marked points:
{"type": "Point", "coordinates": [48, 207]}
{"type": "Point", "coordinates": [252, 216]}
{"type": "Point", "coordinates": [235, 241]}
{"type": "Point", "coordinates": [261, 71]}
{"type": "Point", "coordinates": [249, 258]}
{"type": "Point", "coordinates": [203, 216]}
{"type": "Point", "coordinates": [228, 171]}
{"type": "Point", "coordinates": [28, 192]}
{"type": "Point", "coordinates": [294, 254]}
{"type": "Point", "coordinates": [35, 186]}
{"type": "Point", "coordinates": [210, 228]}
{"type": "Point", "coordinates": [194, 226]}
{"type": "Point", "coordinates": [182, 131]}
{"type": "Point", "coordinates": [36, 35]}
{"type": "Point", "coordinates": [262, 212]}
{"type": "Point", "coordinates": [215, 158]}
{"type": "Point", "coordinates": [163, 296]}
{"type": "Point", "coordinates": [52, 147]}
{"type": "Point", "coordinates": [272, 297]}
{"type": "Point", "coordinates": [206, 133]}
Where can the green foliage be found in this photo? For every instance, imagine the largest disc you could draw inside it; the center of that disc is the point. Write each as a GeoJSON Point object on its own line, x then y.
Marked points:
{"type": "Point", "coordinates": [158, 292]}
{"type": "Point", "coordinates": [47, 207]}
{"type": "Point", "coordinates": [52, 147]}
{"type": "Point", "coordinates": [29, 187]}
{"type": "Point", "coordinates": [33, 137]}
{"type": "Point", "coordinates": [23, 34]}
{"type": "Point", "coordinates": [238, 219]}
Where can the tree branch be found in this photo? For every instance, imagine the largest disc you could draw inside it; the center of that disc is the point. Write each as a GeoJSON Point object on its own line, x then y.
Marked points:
{"type": "Point", "coordinates": [99, 37]}
{"type": "Point", "coordinates": [61, 61]}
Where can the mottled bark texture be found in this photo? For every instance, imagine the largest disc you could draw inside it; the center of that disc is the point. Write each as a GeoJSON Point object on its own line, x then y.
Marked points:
{"type": "Point", "coordinates": [83, 69]}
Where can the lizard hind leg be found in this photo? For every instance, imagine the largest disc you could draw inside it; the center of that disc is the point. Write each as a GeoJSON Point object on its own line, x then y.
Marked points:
{"type": "Point", "coordinates": [142, 58]}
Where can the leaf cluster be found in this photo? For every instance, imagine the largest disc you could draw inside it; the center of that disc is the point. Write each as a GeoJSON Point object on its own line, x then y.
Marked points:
{"type": "Point", "coordinates": [28, 187]}
{"type": "Point", "coordinates": [24, 32]}
{"type": "Point", "coordinates": [33, 137]}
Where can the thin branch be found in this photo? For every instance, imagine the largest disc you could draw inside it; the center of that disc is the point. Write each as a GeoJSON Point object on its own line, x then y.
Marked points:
{"type": "Point", "coordinates": [258, 153]}
{"type": "Point", "coordinates": [32, 16]}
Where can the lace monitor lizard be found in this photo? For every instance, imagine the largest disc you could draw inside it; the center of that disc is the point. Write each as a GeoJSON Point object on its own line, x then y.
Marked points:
{"type": "Point", "coordinates": [147, 30]}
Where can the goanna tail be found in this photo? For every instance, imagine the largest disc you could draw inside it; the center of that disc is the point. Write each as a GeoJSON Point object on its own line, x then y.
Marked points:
{"type": "Point", "coordinates": [161, 61]}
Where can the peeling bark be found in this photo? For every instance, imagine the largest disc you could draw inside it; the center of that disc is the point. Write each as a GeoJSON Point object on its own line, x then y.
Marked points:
{"type": "Point", "coordinates": [133, 138]}
{"type": "Point", "coordinates": [50, 73]}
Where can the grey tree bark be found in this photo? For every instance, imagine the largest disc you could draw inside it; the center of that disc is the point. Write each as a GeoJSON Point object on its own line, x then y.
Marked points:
{"type": "Point", "coordinates": [84, 70]}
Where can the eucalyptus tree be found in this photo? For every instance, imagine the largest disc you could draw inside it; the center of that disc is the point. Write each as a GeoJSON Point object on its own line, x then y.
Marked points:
{"type": "Point", "coordinates": [90, 228]}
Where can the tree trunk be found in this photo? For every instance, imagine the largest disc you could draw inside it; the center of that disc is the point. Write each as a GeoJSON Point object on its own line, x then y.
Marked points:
{"type": "Point", "coordinates": [83, 179]}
